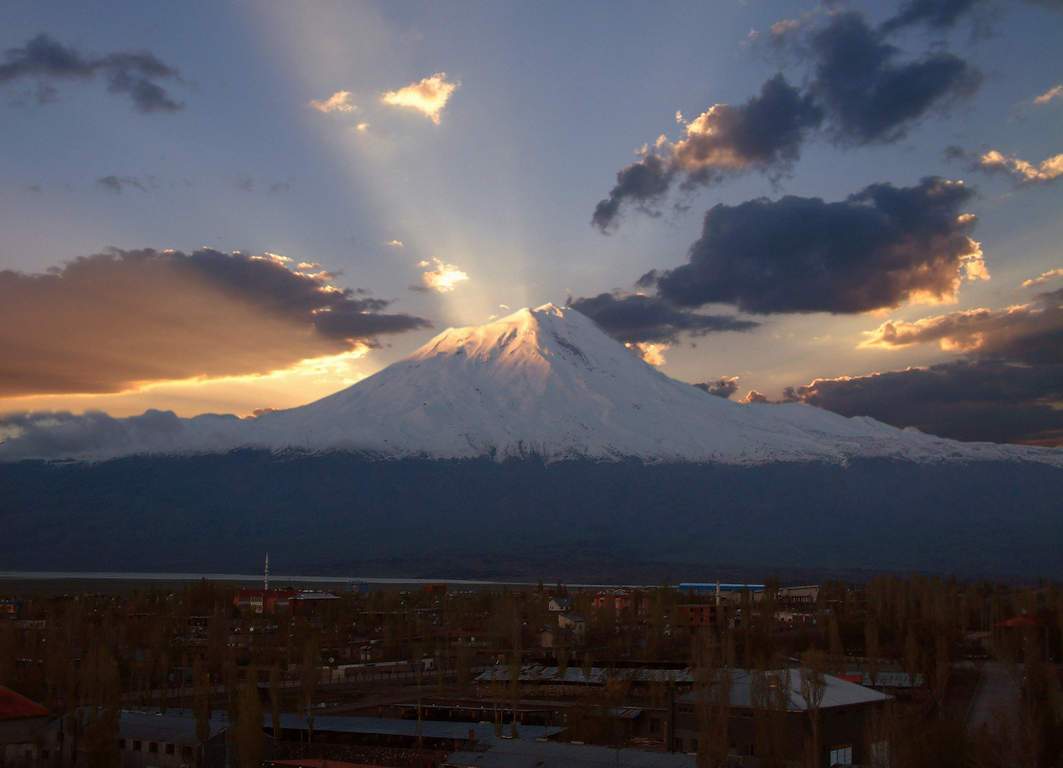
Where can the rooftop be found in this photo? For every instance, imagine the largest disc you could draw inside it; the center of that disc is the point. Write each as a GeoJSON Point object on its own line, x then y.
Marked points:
{"type": "Point", "coordinates": [548, 754]}
{"type": "Point", "coordinates": [15, 706]}
{"type": "Point", "coordinates": [836, 692]}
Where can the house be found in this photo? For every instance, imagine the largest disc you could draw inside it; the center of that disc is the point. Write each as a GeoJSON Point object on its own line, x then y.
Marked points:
{"type": "Point", "coordinates": [694, 615]}
{"type": "Point", "coordinates": [847, 713]}
{"type": "Point", "coordinates": [619, 600]}
{"type": "Point", "coordinates": [559, 604]}
{"type": "Point", "coordinates": [263, 600]}
{"type": "Point", "coordinates": [170, 740]}
{"type": "Point", "coordinates": [573, 623]}
{"type": "Point", "coordinates": [26, 732]}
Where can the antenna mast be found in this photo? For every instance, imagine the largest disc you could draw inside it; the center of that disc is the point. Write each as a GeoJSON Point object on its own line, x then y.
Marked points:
{"type": "Point", "coordinates": [265, 575]}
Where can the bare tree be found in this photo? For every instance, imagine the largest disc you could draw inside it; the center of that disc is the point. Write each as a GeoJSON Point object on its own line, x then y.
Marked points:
{"type": "Point", "coordinates": [813, 689]}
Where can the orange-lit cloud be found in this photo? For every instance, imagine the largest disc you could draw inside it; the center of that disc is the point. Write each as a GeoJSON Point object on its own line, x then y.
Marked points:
{"type": "Point", "coordinates": [429, 96]}
{"type": "Point", "coordinates": [987, 331]}
{"type": "Point", "coordinates": [1053, 93]}
{"type": "Point", "coordinates": [1043, 278]}
{"type": "Point", "coordinates": [120, 320]}
{"type": "Point", "coordinates": [340, 101]}
{"type": "Point", "coordinates": [650, 352]}
{"type": "Point", "coordinates": [442, 277]}
{"type": "Point", "coordinates": [1021, 170]}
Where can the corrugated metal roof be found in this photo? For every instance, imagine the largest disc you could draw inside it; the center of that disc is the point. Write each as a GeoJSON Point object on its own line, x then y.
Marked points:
{"type": "Point", "coordinates": [539, 673]}
{"type": "Point", "coordinates": [836, 692]}
{"type": "Point", "coordinates": [385, 726]}
{"type": "Point", "coordinates": [169, 728]}
{"type": "Point", "coordinates": [539, 754]}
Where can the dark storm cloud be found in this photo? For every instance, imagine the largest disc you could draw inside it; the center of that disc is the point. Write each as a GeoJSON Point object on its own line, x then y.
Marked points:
{"type": "Point", "coordinates": [859, 92]}
{"type": "Point", "coordinates": [869, 95]}
{"type": "Point", "coordinates": [1007, 388]}
{"type": "Point", "coordinates": [635, 318]}
{"type": "Point", "coordinates": [106, 322]}
{"type": "Point", "coordinates": [134, 74]}
{"type": "Point", "coordinates": [991, 400]}
{"type": "Point", "coordinates": [936, 14]}
{"type": "Point", "coordinates": [763, 134]}
{"type": "Point", "coordinates": [878, 248]}
{"type": "Point", "coordinates": [723, 387]}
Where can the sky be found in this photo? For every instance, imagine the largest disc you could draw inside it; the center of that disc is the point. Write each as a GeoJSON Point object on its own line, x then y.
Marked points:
{"type": "Point", "coordinates": [230, 207]}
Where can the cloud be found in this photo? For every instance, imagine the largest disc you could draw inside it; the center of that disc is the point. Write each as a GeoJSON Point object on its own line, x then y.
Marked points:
{"type": "Point", "coordinates": [429, 96]}
{"type": "Point", "coordinates": [442, 277]}
{"type": "Point", "coordinates": [724, 386]}
{"type": "Point", "coordinates": [752, 396]}
{"type": "Point", "coordinates": [858, 92]}
{"type": "Point", "coordinates": [764, 134]}
{"type": "Point", "coordinates": [134, 74]}
{"type": "Point", "coordinates": [362, 127]}
{"type": "Point", "coordinates": [340, 101]}
{"type": "Point", "coordinates": [869, 96]}
{"type": "Point", "coordinates": [1053, 93]}
{"type": "Point", "coordinates": [115, 320]}
{"type": "Point", "coordinates": [61, 433]}
{"type": "Point", "coordinates": [936, 14]}
{"type": "Point", "coordinates": [650, 352]}
{"type": "Point", "coordinates": [395, 244]}
{"type": "Point", "coordinates": [1020, 170]}
{"type": "Point", "coordinates": [878, 248]}
{"type": "Point", "coordinates": [116, 184]}
{"type": "Point", "coordinates": [1007, 388]}
{"type": "Point", "coordinates": [990, 400]}
{"type": "Point", "coordinates": [1043, 278]}
{"type": "Point", "coordinates": [1027, 333]}
{"type": "Point", "coordinates": [638, 319]}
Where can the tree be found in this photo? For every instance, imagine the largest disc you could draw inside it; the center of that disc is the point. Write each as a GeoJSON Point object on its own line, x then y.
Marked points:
{"type": "Point", "coordinates": [309, 675]}
{"type": "Point", "coordinates": [275, 699]}
{"type": "Point", "coordinates": [813, 688]}
{"type": "Point", "coordinates": [249, 736]}
{"type": "Point", "coordinates": [201, 703]}
{"type": "Point", "coordinates": [872, 649]}
{"type": "Point", "coordinates": [101, 697]}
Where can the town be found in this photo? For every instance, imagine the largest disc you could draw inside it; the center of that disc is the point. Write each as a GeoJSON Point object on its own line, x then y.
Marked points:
{"type": "Point", "coordinates": [902, 672]}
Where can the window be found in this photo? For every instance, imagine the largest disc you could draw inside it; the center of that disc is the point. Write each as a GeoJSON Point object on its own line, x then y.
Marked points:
{"type": "Point", "coordinates": [153, 747]}
{"type": "Point", "coordinates": [841, 755]}
{"type": "Point", "coordinates": [136, 745]}
{"type": "Point", "coordinates": [169, 749]}
{"type": "Point", "coordinates": [186, 754]}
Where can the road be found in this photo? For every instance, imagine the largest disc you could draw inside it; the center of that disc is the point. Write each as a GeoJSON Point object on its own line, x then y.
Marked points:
{"type": "Point", "coordinates": [997, 691]}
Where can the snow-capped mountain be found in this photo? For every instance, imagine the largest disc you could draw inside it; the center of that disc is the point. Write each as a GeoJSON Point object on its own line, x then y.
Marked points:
{"type": "Point", "coordinates": [546, 382]}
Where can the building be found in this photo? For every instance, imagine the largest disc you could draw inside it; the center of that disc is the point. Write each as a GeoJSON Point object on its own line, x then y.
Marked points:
{"type": "Point", "coordinates": [271, 601]}
{"type": "Point", "coordinates": [27, 736]}
{"type": "Point", "coordinates": [549, 754]}
{"type": "Point", "coordinates": [169, 740]}
{"type": "Point", "coordinates": [846, 715]}
{"type": "Point", "coordinates": [694, 615]}
{"type": "Point", "coordinates": [574, 624]}
{"type": "Point", "coordinates": [559, 604]}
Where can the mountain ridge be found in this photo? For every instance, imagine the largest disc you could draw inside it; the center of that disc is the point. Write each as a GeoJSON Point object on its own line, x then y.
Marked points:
{"type": "Point", "coordinates": [546, 382]}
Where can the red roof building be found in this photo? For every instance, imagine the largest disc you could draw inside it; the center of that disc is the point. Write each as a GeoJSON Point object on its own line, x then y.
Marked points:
{"type": "Point", "coordinates": [15, 706]}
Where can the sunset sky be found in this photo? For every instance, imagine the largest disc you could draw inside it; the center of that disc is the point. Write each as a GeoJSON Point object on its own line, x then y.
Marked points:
{"type": "Point", "coordinates": [227, 207]}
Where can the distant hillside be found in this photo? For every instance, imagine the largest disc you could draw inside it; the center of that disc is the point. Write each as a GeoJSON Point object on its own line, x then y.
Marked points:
{"type": "Point", "coordinates": [339, 513]}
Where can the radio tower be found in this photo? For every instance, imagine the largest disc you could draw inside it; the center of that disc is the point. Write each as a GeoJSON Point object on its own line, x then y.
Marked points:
{"type": "Point", "coordinates": [265, 575]}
